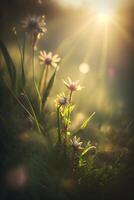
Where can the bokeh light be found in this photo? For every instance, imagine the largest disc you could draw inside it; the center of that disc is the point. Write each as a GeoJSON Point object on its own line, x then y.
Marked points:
{"type": "Point", "coordinates": [16, 177]}
{"type": "Point", "coordinates": [84, 68]}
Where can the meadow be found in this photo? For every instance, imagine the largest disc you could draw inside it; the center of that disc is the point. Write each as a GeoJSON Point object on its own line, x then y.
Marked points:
{"type": "Point", "coordinates": [66, 103]}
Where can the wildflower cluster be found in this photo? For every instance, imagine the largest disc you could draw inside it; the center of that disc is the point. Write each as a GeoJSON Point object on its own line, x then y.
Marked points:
{"type": "Point", "coordinates": [65, 107]}
{"type": "Point", "coordinates": [35, 113]}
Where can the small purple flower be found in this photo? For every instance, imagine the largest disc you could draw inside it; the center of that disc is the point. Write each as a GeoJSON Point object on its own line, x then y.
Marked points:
{"type": "Point", "coordinates": [61, 100]}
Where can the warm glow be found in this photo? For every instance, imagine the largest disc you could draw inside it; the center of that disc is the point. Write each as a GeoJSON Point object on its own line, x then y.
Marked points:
{"type": "Point", "coordinates": [105, 17]}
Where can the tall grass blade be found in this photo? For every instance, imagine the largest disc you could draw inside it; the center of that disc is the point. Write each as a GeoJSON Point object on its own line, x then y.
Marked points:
{"type": "Point", "coordinates": [85, 123]}
{"type": "Point", "coordinates": [23, 60]}
{"type": "Point", "coordinates": [10, 65]}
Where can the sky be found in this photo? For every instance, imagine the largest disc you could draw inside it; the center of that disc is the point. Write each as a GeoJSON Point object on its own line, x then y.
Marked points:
{"type": "Point", "coordinates": [96, 4]}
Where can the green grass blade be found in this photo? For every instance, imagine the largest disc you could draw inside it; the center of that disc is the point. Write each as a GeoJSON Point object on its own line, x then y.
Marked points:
{"type": "Point", "coordinates": [10, 65]}
{"type": "Point", "coordinates": [33, 112]}
{"type": "Point", "coordinates": [38, 96]}
{"type": "Point", "coordinates": [23, 61]}
{"type": "Point", "coordinates": [85, 123]}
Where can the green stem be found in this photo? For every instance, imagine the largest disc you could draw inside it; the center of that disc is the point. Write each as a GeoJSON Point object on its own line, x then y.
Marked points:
{"type": "Point", "coordinates": [23, 60]}
{"type": "Point", "coordinates": [33, 64]}
{"type": "Point", "coordinates": [70, 97]}
{"type": "Point", "coordinates": [46, 76]}
{"type": "Point", "coordinates": [58, 125]}
{"type": "Point", "coordinates": [35, 84]}
{"type": "Point", "coordinates": [44, 80]}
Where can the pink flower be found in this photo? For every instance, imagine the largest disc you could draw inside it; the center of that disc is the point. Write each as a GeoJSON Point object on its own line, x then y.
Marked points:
{"type": "Point", "coordinates": [72, 86]}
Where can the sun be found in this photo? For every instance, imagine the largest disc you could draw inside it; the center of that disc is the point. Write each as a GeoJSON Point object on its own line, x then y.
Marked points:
{"type": "Point", "coordinates": [105, 17]}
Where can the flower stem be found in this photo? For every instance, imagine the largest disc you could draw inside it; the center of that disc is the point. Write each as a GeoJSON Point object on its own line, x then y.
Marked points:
{"type": "Point", "coordinates": [33, 63]}
{"type": "Point", "coordinates": [65, 140]}
{"type": "Point", "coordinates": [36, 87]}
{"type": "Point", "coordinates": [70, 97]}
{"type": "Point", "coordinates": [46, 76]}
{"type": "Point", "coordinates": [58, 125]}
{"type": "Point", "coordinates": [44, 80]}
{"type": "Point", "coordinates": [23, 60]}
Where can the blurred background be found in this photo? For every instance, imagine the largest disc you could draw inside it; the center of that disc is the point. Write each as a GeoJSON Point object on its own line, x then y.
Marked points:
{"type": "Point", "coordinates": [95, 39]}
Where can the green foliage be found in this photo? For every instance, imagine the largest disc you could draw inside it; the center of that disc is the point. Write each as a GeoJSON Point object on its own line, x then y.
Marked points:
{"type": "Point", "coordinates": [66, 114]}
{"type": "Point", "coordinates": [70, 148]}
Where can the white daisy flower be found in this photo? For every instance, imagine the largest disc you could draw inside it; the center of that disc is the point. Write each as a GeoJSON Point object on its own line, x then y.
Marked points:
{"type": "Point", "coordinates": [49, 59]}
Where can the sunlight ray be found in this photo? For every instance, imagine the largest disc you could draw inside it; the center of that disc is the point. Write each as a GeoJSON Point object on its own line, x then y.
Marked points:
{"type": "Point", "coordinates": [124, 33]}
{"type": "Point", "coordinates": [72, 38]}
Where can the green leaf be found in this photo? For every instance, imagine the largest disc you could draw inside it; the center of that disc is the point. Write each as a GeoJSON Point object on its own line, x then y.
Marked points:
{"type": "Point", "coordinates": [81, 162]}
{"type": "Point", "coordinates": [86, 150]}
{"type": "Point", "coordinates": [10, 65]}
{"type": "Point", "coordinates": [23, 60]}
{"type": "Point", "coordinates": [85, 123]}
{"type": "Point", "coordinates": [48, 89]}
